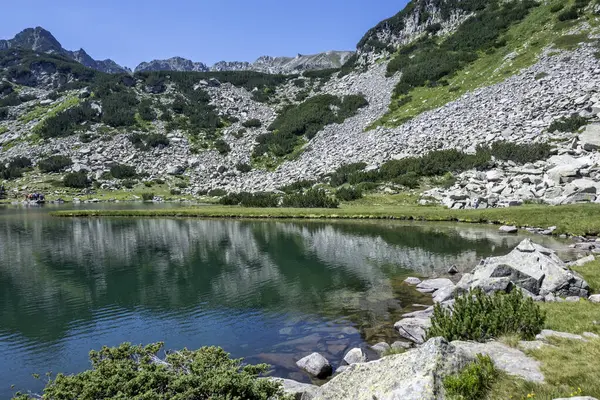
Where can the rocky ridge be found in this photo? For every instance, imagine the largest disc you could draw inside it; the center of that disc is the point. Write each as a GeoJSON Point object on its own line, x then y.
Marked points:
{"type": "Point", "coordinates": [265, 64]}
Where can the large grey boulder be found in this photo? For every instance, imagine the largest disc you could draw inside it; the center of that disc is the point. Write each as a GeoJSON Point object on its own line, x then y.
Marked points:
{"type": "Point", "coordinates": [413, 329]}
{"type": "Point", "coordinates": [529, 266]}
{"type": "Point", "coordinates": [508, 359]}
{"type": "Point", "coordinates": [414, 375]}
{"type": "Point", "coordinates": [590, 137]}
{"type": "Point", "coordinates": [316, 365]}
{"type": "Point", "coordinates": [431, 285]}
{"type": "Point", "coordinates": [577, 398]}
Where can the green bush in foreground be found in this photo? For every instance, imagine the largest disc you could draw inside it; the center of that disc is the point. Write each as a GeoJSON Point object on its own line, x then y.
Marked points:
{"type": "Point", "coordinates": [480, 317]}
{"type": "Point", "coordinates": [135, 372]}
{"type": "Point", "coordinates": [473, 382]}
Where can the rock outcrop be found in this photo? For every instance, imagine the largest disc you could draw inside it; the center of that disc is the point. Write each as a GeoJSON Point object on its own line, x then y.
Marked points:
{"type": "Point", "coordinates": [414, 375]}
{"type": "Point", "coordinates": [531, 267]}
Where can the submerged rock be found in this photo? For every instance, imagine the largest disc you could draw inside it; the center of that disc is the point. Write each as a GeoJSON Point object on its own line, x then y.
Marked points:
{"type": "Point", "coordinates": [316, 365]}
{"type": "Point", "coordinates": [413, 329]}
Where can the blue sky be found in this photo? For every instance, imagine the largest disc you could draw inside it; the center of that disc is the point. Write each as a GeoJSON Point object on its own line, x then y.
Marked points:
{"type": "Point", "coordinates": [209, 31]}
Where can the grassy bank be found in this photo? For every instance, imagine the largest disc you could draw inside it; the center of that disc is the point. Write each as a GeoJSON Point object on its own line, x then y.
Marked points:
{"type": "Point", "coordinates": [579, 219]}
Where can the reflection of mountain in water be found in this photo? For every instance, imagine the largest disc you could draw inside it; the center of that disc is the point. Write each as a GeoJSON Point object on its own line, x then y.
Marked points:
{"type": "Point", "coordinates": [53, 271]}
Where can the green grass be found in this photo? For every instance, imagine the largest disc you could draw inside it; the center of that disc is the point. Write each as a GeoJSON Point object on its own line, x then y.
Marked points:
{"type": "Point", "coordinates": [3, 129]}
{"type": "Point", "coordinates": [580, 219]}
{"type": "Point", "coordinates": [591, 273]}
{"type": "Point", "coordinates": [525, 41]}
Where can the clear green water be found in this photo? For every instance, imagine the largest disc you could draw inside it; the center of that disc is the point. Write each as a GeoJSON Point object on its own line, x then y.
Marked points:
{"type": "Point", "coordinates": [268, 291]}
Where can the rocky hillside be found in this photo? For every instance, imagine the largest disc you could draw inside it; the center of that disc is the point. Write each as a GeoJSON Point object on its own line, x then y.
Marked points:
{"type": "Point", "coordinates": [41, 41]}
{"type": "Point", "coordinates": [266, 64]}
{"type": "Point", "coordinates": [514, 85]}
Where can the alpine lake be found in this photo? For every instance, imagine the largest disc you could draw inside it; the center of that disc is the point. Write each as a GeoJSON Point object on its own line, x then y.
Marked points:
{"type": "Point", "coordinates": [268, 291]}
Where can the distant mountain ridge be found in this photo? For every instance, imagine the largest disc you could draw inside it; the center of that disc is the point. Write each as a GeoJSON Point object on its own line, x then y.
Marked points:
{"type": "Point", "coordinates": [40, 40]}
{"type": "Point", "coordinates": [266, 64]}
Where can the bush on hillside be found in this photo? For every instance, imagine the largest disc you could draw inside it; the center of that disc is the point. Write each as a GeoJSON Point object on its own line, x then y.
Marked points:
{"type": "Point", "coordinates": [306, 119]}
{"type": "Point", "coordinates": [341, 175]}
{"type": "Point", "coordinates": [135, 372]}
{"type": "Point", "coordinates": [9, 173]}
{"type": "Point", "coordinates": [246, 199]}
{"type": "Point", "coordinates": [20, 162]}
{"type": "Point", "coordinates": [149, 196]}
{"type": "Point", "coordinates": [3, 113]}
{"type": "Point", "coordinates": [243, 167]}
{"type": "Point", "coordinates": [568, 15]}
{"type": "Point", "coordinates": [569, 124]}
{"type": "Point", "coordinates": [77, 180]}
{"type": "Point", "coordinates": [297, 186]}
{"type": "Point", "coordinates": [222, 146]}
{"type": "Point", "coordinates": [54, 163]}
{"type": "Point", "coordinates": [119, 108]}
{"type": "Point", "coordinates": [521, 154]}
{"type": "Point", "coordinates": [67, 122]}
{"type": "Point", "coordinates": [146, 111]}
{"type": "Point", "coordinates": [348, 194]}
{"type": "Point", "coordinates": [144, 142]}
{"type": "Point", "coordinates": [252, 123]}
{"type": "Point", "coordinates": [557, 7]}
{"type": "Point", "coordinates": [473, 382]}
{"type": "Point", "coordinates": [122, 171]}
{"type": "Point", "coordinates": [480, 317]}
{"type": "Point", "coordinates": [312, 198]}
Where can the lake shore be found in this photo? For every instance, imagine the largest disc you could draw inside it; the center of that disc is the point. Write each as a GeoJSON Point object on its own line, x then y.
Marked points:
{"type": "Point", "coordinates": [573, 220]}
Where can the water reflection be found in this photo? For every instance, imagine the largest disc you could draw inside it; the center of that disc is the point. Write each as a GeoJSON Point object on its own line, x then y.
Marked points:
{"type": "Point", "coordinates": [265, 290]}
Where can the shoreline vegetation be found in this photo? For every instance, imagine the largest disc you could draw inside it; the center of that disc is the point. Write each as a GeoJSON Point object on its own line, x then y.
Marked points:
{"type": "Point", "coordinates": [575, 220]}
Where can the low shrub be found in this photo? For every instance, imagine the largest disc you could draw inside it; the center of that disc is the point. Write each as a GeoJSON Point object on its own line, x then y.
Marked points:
{"type": "Point", "coordinates": [54, 163]}
{"type": "Point", "coordinates": [222, 147]}
{"type": "Point", "coordinates": [243, 167]}
{"type": "Point", "coordinates": [342, 174]}
{"type": "Point", "coordinates": [246, 199]}
{"type": "Point", "coordinates": [20, 162]}
{"type": "Point", "coordinates": [175, 192]}
{"type": "Point", "coordinates": [520, 154]}
{"type": "Point", "coordinates": [348, 194]}
{"type": "Point", "coordinates": [569, 124]}
{"type": "Point", "coordinates": [480, 317]}
{"type": "Point", "coordinates": [297, 186]}
{"type": "Point", "coordinates": [541, 75]}
{"type": "Point", "coordinates": [252, 123]}
{"type": "Point", "coordinates": [312, 198]}
{"type": "Point", "coordinates": [9, 173]}
{"type": "Point", "coordinates": [473, 382]}
{"type": "Point", "coordinates": [129, 183]}
{"type": "Point", "coordinates": [135, 372]}
{"type": "Point", "coordinates": [182, 185]}
{"type": "Point", "coordinates": [77, 180]}
{"type": "Point", "coordinates": [568, 15]}
{"type": "Point", "coordinates": [217, 192]}
{"type": "Point", "coordinates": [3, 113]}
{"type": "Point", "coordinates": [557, 7]}
{"type": "Point", "coordinates": [122, 171]}
{"type": "Point", "coordinates": [410, 180]}
{"type": "Point", "coordinates": [148, 196]}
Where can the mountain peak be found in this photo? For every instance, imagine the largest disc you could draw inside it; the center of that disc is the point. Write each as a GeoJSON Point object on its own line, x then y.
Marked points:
{"type": "Point", "coordinates": [41, 40]}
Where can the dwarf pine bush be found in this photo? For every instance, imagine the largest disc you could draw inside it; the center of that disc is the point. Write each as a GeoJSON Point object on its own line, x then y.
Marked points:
{"type": "Point", "coordinates": [480, 317]}
{"type": "Point", "coordinates": [135, 372]}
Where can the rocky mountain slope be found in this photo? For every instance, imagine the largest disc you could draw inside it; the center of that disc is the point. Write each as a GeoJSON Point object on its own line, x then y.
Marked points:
{"type": "Point", "coordinates": [266, 64]}
{"type": "Point", "coordinates": [40, 40]}
{"type": "Point", "coordinates": [520, 83]}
